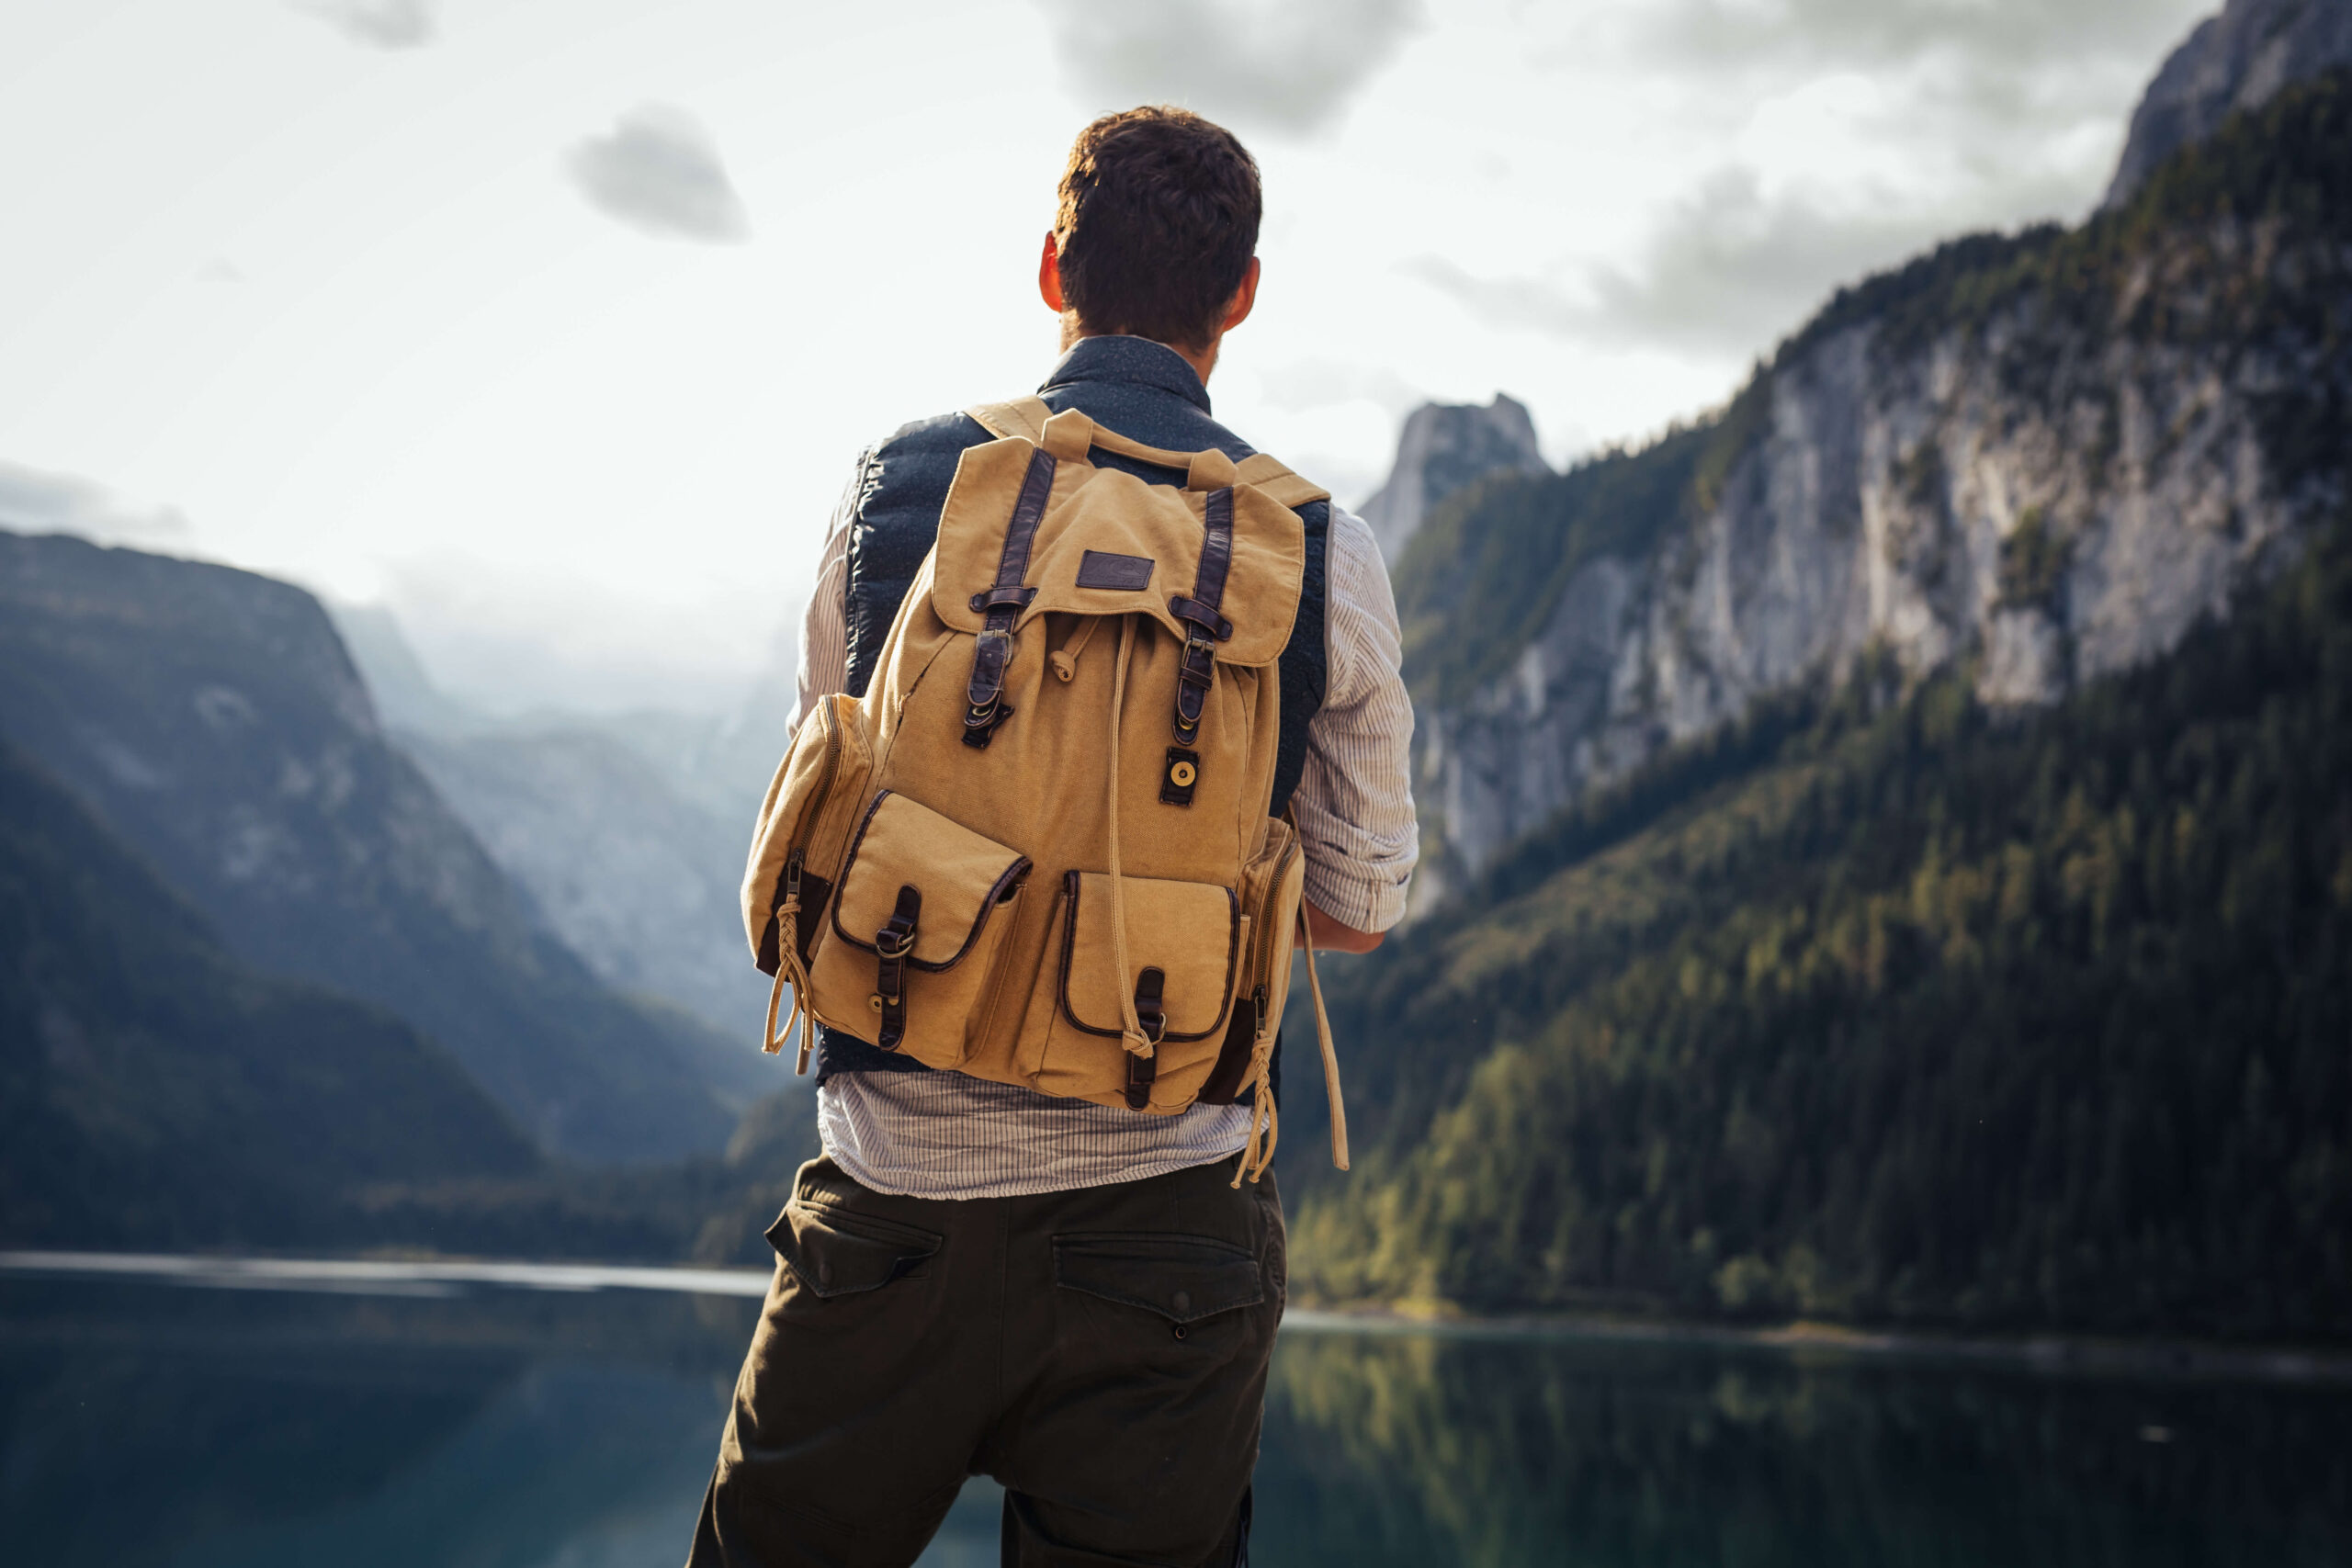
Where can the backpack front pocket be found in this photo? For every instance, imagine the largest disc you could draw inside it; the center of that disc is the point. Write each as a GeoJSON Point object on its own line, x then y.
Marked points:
{"type": "Point", "coordinates": [921, 914]}
{"type": "Point", "coordinates": [1182, 947]}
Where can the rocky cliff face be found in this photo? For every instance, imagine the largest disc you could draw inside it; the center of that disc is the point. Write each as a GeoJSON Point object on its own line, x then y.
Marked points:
{"type": "Point", "coordinates": [2040, 459]}
{"type": "Point", "coordinates": [2239, 60]}
{"type": "Point", "coordinates": [1444, 450]}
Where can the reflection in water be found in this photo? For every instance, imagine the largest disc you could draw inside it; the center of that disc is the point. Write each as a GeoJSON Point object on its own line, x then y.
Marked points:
{"type": "Point", "coordinates": [1396, 1449]}
{"type": "Point", "coordinates": [468, 1426]}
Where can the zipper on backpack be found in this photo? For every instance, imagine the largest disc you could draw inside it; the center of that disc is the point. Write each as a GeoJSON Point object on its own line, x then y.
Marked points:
{"type": "Point", "coordinates": [831, 766]}
{"type": "Point", "coordinates": [796, 860]}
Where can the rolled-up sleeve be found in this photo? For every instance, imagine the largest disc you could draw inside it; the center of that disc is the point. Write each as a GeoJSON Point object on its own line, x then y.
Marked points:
{"type": "Point", "coordinates": [1355, 800]}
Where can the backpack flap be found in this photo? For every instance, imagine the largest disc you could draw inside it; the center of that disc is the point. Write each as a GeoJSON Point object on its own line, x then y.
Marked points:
{"type": "Point", "coordinates": [1109, 544]}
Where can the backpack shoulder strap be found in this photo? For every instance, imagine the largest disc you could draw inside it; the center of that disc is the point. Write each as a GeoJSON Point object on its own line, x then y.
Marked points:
{"type": "Point", "coordinates": [1268, 475]}
{"type": "Point", "coordinates": [1024, 417]}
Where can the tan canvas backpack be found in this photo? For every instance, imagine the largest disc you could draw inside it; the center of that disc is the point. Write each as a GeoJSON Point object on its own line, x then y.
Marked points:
{"type": "Point", "coordinates": [1037, 850]}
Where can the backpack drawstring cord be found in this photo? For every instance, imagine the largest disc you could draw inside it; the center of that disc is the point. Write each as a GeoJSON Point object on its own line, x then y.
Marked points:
{"type": "Point", "coordinates": [1131, 1033]}
{"type": "Point", "coordinates": [790, 970]}
{"type": "Point", "coordinates": [1065, 659]}
{"type": "Point", "coordinates": [1264, 1117]}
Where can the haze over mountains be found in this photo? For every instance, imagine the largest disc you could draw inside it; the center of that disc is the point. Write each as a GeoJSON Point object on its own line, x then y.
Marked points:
{"type": "Point", "coordinates": [626, 830]}
{"type": "Point", "coordinates": [212, 721]}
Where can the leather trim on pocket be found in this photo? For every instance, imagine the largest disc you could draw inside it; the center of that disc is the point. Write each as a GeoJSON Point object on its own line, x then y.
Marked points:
{"type": "Point", "coordinates": [956, 870]}
{"type": "Point", "coordinates": [837, 1253]}
{"type": "Point", "coordinates": [1181, 1278]}
{"type": "Point", "coordinates": [1170, 926]}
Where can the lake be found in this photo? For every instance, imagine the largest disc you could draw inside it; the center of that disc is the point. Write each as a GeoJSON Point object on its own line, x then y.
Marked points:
{"type": "Point", "coordinates": [566, 1418]}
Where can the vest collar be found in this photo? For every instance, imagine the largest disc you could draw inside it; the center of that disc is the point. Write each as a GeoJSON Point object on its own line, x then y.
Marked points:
{"type": "Point", "coordinates": [1134, 360]}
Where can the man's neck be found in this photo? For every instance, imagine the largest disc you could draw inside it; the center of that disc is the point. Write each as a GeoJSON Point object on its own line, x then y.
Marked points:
{"type": "Point", "coordinates": [1202, 361]}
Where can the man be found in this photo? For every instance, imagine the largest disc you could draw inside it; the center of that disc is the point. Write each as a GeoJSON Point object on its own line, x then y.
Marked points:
{"type": "Point", "coordinates": [1115, 1391]}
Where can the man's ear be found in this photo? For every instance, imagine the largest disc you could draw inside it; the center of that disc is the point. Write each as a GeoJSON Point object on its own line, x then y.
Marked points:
{"type": "Point", "coordinates": [1049, 276]}
{"type": "Point", "coordinates": [1245, 297]}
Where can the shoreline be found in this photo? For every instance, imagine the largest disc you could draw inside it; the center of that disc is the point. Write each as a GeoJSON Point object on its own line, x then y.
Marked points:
{"type": "Point", "coordinates": [2050, 1353]}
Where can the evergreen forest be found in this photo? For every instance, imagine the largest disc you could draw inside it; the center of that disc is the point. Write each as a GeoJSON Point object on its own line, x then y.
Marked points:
{"type": "Point", "coordinates": [1890, 1006]}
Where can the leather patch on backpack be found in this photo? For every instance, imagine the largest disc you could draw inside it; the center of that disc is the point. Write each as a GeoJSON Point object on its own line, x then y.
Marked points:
{"type": "Point", "coordinates": [1184, 774]}
{"type": "Point", "coordinates": [1101, 568]}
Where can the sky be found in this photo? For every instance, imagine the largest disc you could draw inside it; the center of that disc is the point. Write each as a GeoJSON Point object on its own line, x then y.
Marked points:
{"type": "Point", "coordinates": [556, 325]}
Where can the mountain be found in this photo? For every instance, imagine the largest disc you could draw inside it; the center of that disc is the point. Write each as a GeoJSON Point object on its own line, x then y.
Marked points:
{"type": "Point", "coordinates": [1898, 1008]}
{"type": "Point", "coordinates": [1896, 833]}
{"type": "Point", "coordinates": [2237, 61]}
{"type": "Point", "coordinates": [2038, 458]}
{"type": "Point", "coordinates": [639, 880]}
{"type": "Point", "coordinates": [1443, 449]}
{"type": "Point", "coordinates": [628, 830]}
{"type": "Point", "coordinates": [214, 721]}
{"type": "Point", "coordinates": [156, 1092]}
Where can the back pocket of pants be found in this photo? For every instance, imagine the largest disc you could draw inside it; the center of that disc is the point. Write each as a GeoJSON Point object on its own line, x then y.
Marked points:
{"type": "Point", "coordinates": [838, 1254]}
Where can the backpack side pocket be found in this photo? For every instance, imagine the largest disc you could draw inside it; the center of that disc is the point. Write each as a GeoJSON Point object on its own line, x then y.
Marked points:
{"type": "Point", "coordinates": [796, 847]}
{"type": "Point", "coordinates": [1272, 885]}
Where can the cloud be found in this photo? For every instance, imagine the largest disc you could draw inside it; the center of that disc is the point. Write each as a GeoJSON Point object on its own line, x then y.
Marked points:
{"type": "Point", "coordinates": [1289, 66]}
{"type": "Point", "coordinates": [379, 24]}
{"type": "Point", "coordinates": [35, 502]}
{"type": "Point", "coordinates": [1729, 272]}
{"type": "Point", "coordinates": [660, 171]}
{"type": "Point", "coordinates": [2000, 76]}
{"type": "Point", "coordinates": [1813, 34]}
{"type": "Point", "coordinates": [1866, 130]}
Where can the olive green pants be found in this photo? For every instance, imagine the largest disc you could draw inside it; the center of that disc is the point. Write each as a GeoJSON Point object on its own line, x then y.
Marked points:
{"type": "Point", "coordinates": [1101, 1352]}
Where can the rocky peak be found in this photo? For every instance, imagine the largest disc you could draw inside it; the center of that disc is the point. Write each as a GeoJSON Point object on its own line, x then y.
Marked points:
{"type": "Point", "coordinates": [1447, 447]}
{"type": "Point", "coordinates": [2238, 59]}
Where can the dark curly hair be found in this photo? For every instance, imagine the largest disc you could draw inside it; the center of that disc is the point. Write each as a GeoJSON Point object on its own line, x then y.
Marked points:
{"type": "Point", "coordinates": [1157, 222]}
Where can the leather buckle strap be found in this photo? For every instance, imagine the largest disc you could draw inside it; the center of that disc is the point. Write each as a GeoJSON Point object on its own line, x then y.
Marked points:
{"type": "Point", "coordinates": [1193, 613]}
{"type": "Point", "coordinates": [1015, 599]}
{"type": "Point", "coordinates": [1152, 1014]}
{"type": "Point", "coordinates": [1194, 676]}
{"type": "Point", "coordinates": [985, 706]}
{"type": "Point", "coordinates": [1200, 613]}
{"type": "Point", "coordinates": [892, 944]}
{"type": "Point", "coordinates": [1003, 603]}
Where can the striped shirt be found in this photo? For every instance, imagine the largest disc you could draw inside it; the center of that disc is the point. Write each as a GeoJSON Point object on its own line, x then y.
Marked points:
{"type": "Point", "coordinates": [946, 1134]}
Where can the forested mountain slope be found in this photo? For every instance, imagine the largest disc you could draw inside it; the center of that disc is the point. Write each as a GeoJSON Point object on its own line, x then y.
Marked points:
{"type": "Point", "coordinates": [213, 721]}
{"type": "Point", "coordinates": [154, 1092]}
{"type": "Point", "coordinates": [1937, 1015]}
{"type": "Point", "coordinates": [1941, 907]}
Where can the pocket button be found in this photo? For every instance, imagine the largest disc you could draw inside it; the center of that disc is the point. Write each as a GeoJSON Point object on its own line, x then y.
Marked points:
{"type": "Point", "coordinates": [1182, 1300]}
{"type": "Point", "coordinates": [824, 1273]}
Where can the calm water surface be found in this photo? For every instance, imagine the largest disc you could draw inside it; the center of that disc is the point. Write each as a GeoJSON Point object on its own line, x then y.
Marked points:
{"type": "Point", "coordinates": [420, 1421]}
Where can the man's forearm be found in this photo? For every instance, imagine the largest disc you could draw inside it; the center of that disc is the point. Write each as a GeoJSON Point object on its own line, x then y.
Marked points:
{"type": "Point", "coordinates": [1330, 935]}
